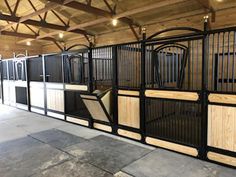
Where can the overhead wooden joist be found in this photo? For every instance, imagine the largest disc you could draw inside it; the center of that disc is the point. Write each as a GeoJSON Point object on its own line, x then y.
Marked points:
{"type": "Point", "coordinates": [42, 24]}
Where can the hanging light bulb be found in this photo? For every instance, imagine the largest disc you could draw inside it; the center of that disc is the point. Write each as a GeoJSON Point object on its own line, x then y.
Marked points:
{"type": "Point", "coordinates": [114, 22]}
{"type": "Point", "coordinates": [61, 35]}
{"type": "Point", "coordinates": [28, 43]}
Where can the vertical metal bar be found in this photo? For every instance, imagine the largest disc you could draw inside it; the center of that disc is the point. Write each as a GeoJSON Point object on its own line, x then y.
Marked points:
{"type": "Point", "coordinates": [142, 89]}
{"type": "Point", "coordinates": [1, 75]}
{"type": "Point", "coordinates": [234, 45]}
{"type": "Point", "coordinates": [228, 60]}
{"type": "Point", "coordinates": [28, 83]}
{"type": "Point", "coordinates": [44, 84]}
{"type": "Point", "coordinates": [115, 89]}
{"type": "Point", "coordinates": [222, 66]}
{"type": "Point", "coordinates": [90, 62]}
{"type": "Point", "coordinates": [213, 61]}
{"type": "Point", "coordinates": [197, 64]}
{"type": "Point", "coordinates": [192, 82]}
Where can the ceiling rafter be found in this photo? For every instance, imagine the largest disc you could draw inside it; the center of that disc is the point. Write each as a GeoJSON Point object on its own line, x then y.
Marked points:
{"type": "Point", "coordinates": [120, 15]}
{"type": "Point", "coordinates": [16, 7]}
{"type": "Point", "coordinates": [58, 16]}
{"type": "Point", "coordinates": [93, 10]}
{"type": "Point", "coordinates": [8, 6]}
{"type": "Point", "coordinates": [49, 6]}
{"type": "Point", "coordinates": [40, 24]}
{"type": "Point", "coordinates": [32, 5]}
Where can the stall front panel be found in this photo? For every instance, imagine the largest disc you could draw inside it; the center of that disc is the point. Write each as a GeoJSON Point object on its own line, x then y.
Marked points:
{"type": "Point", "coordinates": [54, 88]}
{"type": "Point", "coordinates": [222, 97]}
{"type": "Point", "coordinates": [36, 83]}
{"type": "Point", "coordinates": [76, 76]}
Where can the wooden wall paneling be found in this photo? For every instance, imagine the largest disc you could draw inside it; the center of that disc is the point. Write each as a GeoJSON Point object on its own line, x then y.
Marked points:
{"type": "Point", "coordinates": [172, 146]}
{"type": "Point", "coordinates": [222, 98]}
{"type": "Point", "coordinates": [37, 94]}
{"type": "Point", "coordinates": [190, 96]}
{"type": "Point", "coordinates": [77, 121]}
{"type": "Point", "coordinates": [128, 92]}
{"type": "Point", "coordinates": [129, 111]}
{"type": "Point", "coordinates": [222, 158]}
{"type": "Point", "coordinates": [222, 127]}
{"type": "Point", "coordinates": [102, 127]}
{"type": "Point", "coordinates": [76, 87]}
{"type": "Point", "coordinates": [129, 134]}
{"type": "Point", "coordinates": [55, 100]}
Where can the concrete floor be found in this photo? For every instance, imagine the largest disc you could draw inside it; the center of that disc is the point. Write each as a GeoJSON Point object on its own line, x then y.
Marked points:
{"type": "Point", "coordinates": [34, 146]}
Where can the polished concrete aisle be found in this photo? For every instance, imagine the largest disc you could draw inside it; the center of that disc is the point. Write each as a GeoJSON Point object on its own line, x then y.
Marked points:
{"type": "Point", "coordinates": [38, 146]}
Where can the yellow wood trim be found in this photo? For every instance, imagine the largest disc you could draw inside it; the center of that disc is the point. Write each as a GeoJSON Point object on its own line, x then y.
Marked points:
{"type": "Point", "coordinates": [76, 87]}
{"type": "Point", "coordinates": [222, 98]}
{"type": "Point", "coordinates": [77, 121]}
{"type": "Point", "coordinates": [89, 97]}
{"type": "Point", "coordinates": [102, 127]}
{"type": "Point", "coordinates": [128, 92]}
{"type": "Point", "coordinates": [222, 158]}
{"type": "Point", "coordinates": [172, 95]}
{"type": "Point", "coordinates": [129, 134]}
{"type": "Point", "coordinates": [172, 146]}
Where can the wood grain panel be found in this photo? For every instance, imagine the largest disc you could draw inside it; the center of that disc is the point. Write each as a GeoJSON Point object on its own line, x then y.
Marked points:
{"type": "Point", "coordinates": [222, 158]}
{"type": "Point", "coordinates": [222, 98]}
{"type": "Point", "coordinates": [37, 97]}
{"type": "Point", "coordinates": [222, 127]}
{"type": "Point", "coordinates": [190, 96]}
{"type": "Point", "coordinates": [55, 100]}
{"type": "Point", "coordinates": [102, 127]}
{"type": "Point", "coordinates": [89, 97]}
{"type": "Point", "coordinates": [76, 87]}
{"type": "Point", "coordinates": [128, 111]}
{"type": "Point", "coordinates": [106, 100]}
{"type": "Point", "coordinates": [96, 110]}
{"type": "Point", "coordinates": [128, 92]}
{"type": "Point", "coordinates": [77, 121]}
{"type": "Point", "coordinates": [172, 146]}
{"type": "Point", "coordinates": [129, 134]}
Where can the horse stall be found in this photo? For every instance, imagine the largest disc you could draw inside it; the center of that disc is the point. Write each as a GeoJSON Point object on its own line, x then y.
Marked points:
{"type": "Point", "coordinates": [76, 82]}
{"type": "Point", "coordinates": [8, 78]}
{"type": "Point", "coordinates": [54, 90]}
{"type": "Point", "coordinates": [21, 86]}
{"type": "Point", "coordinates": [99, 100]}
{"type": "Point", "coordinates": [36, 84]}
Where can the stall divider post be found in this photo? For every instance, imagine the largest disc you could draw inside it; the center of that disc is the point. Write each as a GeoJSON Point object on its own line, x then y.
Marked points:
{"type": "Point", "coordinates": [90, 78]}
{"type": "Point", "coordinates": [1, 75]}
{"type": "Point", "coordinates": [142, 88]}
{"type": "Point", "coordinates": [204, 96]}
{"type": "Point", "coordinates": [115, 90]}
{"type": "Point", "coordinates": [28, 83]}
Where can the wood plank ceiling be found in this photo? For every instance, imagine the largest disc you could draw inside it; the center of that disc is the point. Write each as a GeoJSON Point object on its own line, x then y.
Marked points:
{"type": "Point", "coordinates": [41, 21]}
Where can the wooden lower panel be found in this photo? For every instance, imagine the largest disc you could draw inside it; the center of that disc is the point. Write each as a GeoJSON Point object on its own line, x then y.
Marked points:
{"type": "Point", "coordinates": [37, 97]}
{"type": "Point", "coordinates": [172, 146]}
{"type": "Point", "coordinates": [76, 87]}
{"type": "Point", "coordinates": [106, 100]}
{"type": "Point", "coordinates": [129, 134]}
{"type": "Point", "coordinates": [172, 95]}
{"type": "Point", "coordinates": [55, 100]}
{"type": "Point", "coordinates": [222, 98]}
{"type": "Point", "coordinates": [77, 121]}
{"type": "Point", "coordinates": [222, 158]}
{"type": "Point", "coordinates": [222, 127]}
{"type": "Point", "coordinates": [96, 110]}
{"type": "Point", "coordinates": [53, 114]}
{"type": "Point", "coordinates": [102, 127]}
{"type": "Point", "coordinates": [128, 111]}
{"type": "Point", "coordinates": [128, 92]}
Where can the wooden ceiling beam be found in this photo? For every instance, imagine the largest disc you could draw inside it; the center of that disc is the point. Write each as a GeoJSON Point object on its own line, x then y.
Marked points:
{"type": "Point", "coordinates": [41, 24]}
{"type": "Point", "coordinates": [48, 6]}
{"type": "Point", "coordinates": [124, 14]}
